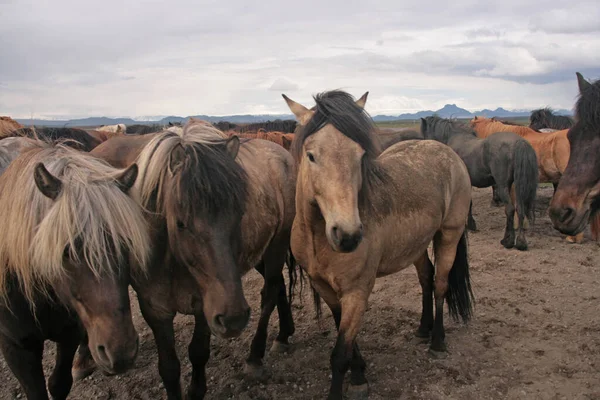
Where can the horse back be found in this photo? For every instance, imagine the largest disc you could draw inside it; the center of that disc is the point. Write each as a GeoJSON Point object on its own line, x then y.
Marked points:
{"type": "Point", "coordinates": [122, 151]}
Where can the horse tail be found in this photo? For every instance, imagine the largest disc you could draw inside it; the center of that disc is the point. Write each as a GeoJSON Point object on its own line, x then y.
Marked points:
{"type": "Point", "coordinates": [295, 273]}
{"type": "Point", "coordinates": [460, 295]}
{"type": "Point", "coordinates": [526, 178]}
{"type": "Point", "coordinates": [595, 226]}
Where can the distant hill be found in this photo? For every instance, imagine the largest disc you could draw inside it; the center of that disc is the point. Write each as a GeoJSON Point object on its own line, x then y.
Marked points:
{"type": "Point", "coordinates": [448, 111]}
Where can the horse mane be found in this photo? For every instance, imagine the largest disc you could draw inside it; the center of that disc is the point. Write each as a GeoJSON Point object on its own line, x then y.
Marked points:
{"type": "Point", "coordinates": [11, 147]}
{"type": "Point", "coordinates": [545, 118]}
{"type": "Point", "coordinates": [72, 137]}
{"type": "Point", "coordinates": [140, 129]}
{"type": "Point", "coordinates": [278, 125]}
{"type": "Point", "coordinates": [339, 109]}
{"type": "Point", "coordinates": [90, 212]}
{"type": "Point", "coordinates": [587, 107]}
{"type": "Point", "coordinates": [209, 176]}
{"type": "Point", "coordinates": [443, 129]}
{"type": "Point", "coordinates": [505, 122]}
{"type": "Point", "coordinates": [8, 125]}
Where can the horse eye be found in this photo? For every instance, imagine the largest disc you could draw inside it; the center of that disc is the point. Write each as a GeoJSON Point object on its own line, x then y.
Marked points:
{"type": "Point", "coordinates": [310, 157]}
{"type": "Point", "coordinates": [180, 225]}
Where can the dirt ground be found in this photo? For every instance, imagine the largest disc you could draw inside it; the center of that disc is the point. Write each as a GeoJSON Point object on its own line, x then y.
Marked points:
{"type": "Point", "coordinates": [535, 334]}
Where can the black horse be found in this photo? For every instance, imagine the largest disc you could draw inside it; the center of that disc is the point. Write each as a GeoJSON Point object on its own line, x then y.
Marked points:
{"type": "Point", "coordinates": [545, 118]}
{"type": "Point", "coordinates": [72, 137]}
{"type": "Point", "coordinates": [503, 159]}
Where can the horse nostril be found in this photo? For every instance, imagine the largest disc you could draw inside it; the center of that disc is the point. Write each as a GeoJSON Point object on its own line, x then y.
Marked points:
{"type": "Point", "coordinates": [220, 321]}
{"type": "Point", "coordinates": [566, 213]}
{"type": "Point", "coordinates": [102, 353]}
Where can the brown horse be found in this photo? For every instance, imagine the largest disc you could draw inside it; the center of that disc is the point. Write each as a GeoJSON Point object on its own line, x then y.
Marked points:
{"type": "Point", "coordinates": [577, 197]}
{"type": "Point", "coordinates": [362, 214]}
{"type": "Point", "coordinates": [7, 126]}
{"type": "Point", "coordinates": [70, 229]}
{"type": "Point", "coordinates": [552, 150]}
{"type": "Point", "coordinates": [73, 137]}
{"type": "Point", "coordinates": [391, 136]}
{"type": "Point", "coordinates": [215, 219]}
{"type": "Point", "coordinates": [282, 139]}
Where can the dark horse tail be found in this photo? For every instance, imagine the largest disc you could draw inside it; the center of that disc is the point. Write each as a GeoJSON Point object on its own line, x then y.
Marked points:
{"type": "Point", "coordinates": [293, 270]}
{"type": "Point", "coordinates": [460, 295]}
{"type": "Point", "coordinates": [526, 178]}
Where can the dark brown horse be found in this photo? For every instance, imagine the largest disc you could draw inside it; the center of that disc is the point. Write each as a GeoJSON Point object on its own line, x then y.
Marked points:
{"type": "Point", "coordinates": [214, 219]}
{"type": "Point", "coordinates": [69, 232]}
{"type": "Point", "coordinates": [73, 137]}
{"type": "Point", "coordinates": [363, 214]}
{"type": "Point", "coordinates": [577, 198]}
{"type": "Point", "coordinates": [544, 118]}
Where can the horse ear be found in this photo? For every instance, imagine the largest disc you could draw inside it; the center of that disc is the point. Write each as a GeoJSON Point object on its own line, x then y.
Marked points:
{"type": "Point", "coordinates": [127, 178]}
{"type": "Point", "coordinates": [583, 84]}
{"type": "Point", "coordinates": [302, 113]}
{"type": "Point", "coordinates": [287, 143]}
{"type": "Point", "coordinates": [475, 117]}
{"type": "Point", "coordinates": [48, 184]}
{"type": "Point", "coordinates": [232, 146]}
{"type": "Point", "coordinates": [362, 101]}
{"type": "Point", "coordinates": [176, 158]}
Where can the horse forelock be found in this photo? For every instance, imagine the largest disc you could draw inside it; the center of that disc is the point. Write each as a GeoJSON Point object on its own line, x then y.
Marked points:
{"type": "Point", "coordinates": [339, 109]}
{"type": "Point", "coordinates": [91, 217]}
{"type": "Point", "coordinates": [208, 180]}
{"type": "Point", "coordinates": [587, 107]}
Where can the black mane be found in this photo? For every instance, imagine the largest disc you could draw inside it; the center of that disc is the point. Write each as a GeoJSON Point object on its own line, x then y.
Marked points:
{"type": "Point", "coordinates": [139, 129]}
{"type": "Point", "coordinates": [339, 109]}
{"type": "Point", "coordinates": [545, 118]}
{"type": "Point", "coordinates": [442, 129]}
{"type": "Point", "coordinates": [72, 137]}
{"type": "Point", "coordinates": [210, 177]}
{"type": "Point", "coordinates": [587, 108]}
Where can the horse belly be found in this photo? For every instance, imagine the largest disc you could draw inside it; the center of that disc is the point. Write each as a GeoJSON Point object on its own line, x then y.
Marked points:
{"type": "Point", "coordinates": [402, 249]}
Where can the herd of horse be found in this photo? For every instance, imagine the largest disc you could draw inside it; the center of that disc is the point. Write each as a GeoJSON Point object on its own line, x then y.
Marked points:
{"type": "Point", "coordinates": [181, 213]}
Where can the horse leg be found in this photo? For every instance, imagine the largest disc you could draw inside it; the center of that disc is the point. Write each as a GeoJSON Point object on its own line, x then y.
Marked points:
{"type": "Point", "coordinates": [521, 243]}
{"type": "Point", "coordinates": [445, 247]}
{"type": "Point", "coordinates": [61, 380]}
{"type": "Point", "coordinates": [84, 364]}
{"type": "Point", "coordinates": [471, 224]}
{"type": "Point", "coordinates": [26, 364]}
{"type": "Point", "coordinates": [169, 367]}
{"type": "Point", "coordinates": [509, 209]}
{"type": "Point", "coordinates": [199, 353]}
{"type": "Point", "coordinates": [254, 364]}
{"type": "Point", "coordinates": [345, 354]}
{"type": "Point", "coordinates": [286, 321]}
{"type": "Point", "coordinates": [496, 202]}
{"type": "Point", "coordinates": [425, 272]}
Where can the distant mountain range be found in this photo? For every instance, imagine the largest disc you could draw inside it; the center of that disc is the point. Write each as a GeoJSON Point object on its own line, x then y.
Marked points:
{"type": "Point", "coordinates": [448, 111]}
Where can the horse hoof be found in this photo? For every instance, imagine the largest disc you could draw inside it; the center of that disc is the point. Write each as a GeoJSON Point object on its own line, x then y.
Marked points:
{"type": "Point", "coordinates": [80, 372]}
{"type": "Point", "coordinates": [438, 354]}
{"type": "Point", "coordinates": [422, 334]}
{"type": "Point", "coordinates": [279, 347]}
{"type": "Point", "coordinates": [358, 392]}
{"type": "Point", "coordinates": [255, 372]}
{"type": "Point", "coordinates": [521, 245]}
{"type": "Point", "coordinates": [574, 239]}
{"type": "Point", "coordinates": [508, 244]}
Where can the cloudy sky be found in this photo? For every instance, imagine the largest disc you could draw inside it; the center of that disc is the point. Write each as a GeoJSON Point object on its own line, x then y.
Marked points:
{"type": "Point", "coordinates": [73, 58]}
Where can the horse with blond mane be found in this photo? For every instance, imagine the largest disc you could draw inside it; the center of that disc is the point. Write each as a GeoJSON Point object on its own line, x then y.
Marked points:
{"type": "Point", "coordinates": [577, 197]}
{"type": "Point", "coordinates": [363, 214]}
{"type": "Point", "coordinates": [65, 263]}
{"type": "Point", "coordinates": [217, 208]}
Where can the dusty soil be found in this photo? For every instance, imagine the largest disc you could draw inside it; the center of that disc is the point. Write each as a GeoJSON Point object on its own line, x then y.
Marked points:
{"type": "Point", "coordinates": [535, 334]}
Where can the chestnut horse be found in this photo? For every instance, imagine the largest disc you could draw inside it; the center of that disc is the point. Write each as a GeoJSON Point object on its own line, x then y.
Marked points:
{"type": "Point", "coordinates": [282, 139]}
{"type": "Point", "coordinates": [214, 219]}
{"type": "Point", "coordinates": [7, 126]}
{"type": "Point", "coordinates": [70, 230]}
{"type": "Point", "coordinates": [362, 214]}
{"type": "Point", "coordinates": [577, 197]}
